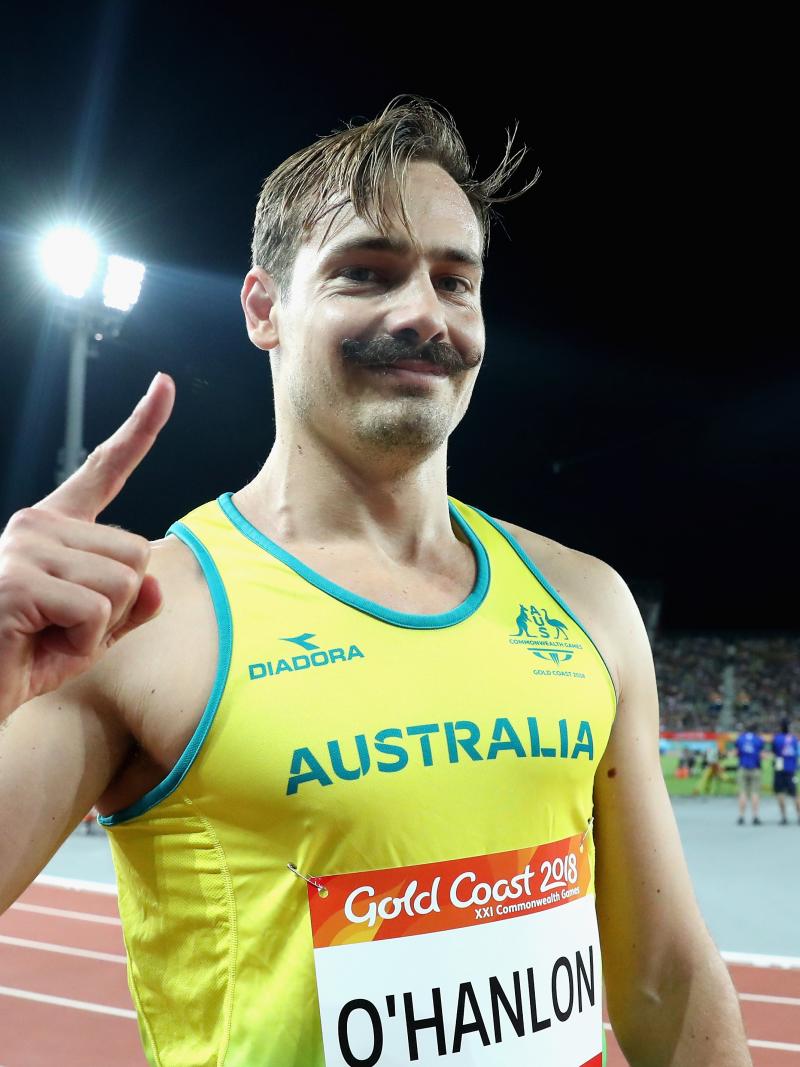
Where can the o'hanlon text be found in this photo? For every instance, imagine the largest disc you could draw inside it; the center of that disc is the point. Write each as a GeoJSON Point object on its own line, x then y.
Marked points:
{"type": "Point", "coordinates": [436, 743]}
{"type": "Point", "coordinates": [496, 1012]}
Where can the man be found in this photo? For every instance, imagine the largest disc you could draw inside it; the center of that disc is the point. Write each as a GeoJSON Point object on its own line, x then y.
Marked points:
{"type": "Point", "coordinates": [348, 710]}
{"type": "Point", "coordinates": [749, 747]}
{"type": "Point", "coordinates": [785, 747]}
{"type": "Point", "coordinates": [711, 771]}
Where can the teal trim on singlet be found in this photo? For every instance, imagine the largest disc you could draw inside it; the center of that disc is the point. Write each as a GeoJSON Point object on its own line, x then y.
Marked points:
{"type": "Point", "coordinates": [523, 555]}
{"type": "Point", "coordinates": [222, 612]}
{"type": "Point", "coordinates": [369, 607]}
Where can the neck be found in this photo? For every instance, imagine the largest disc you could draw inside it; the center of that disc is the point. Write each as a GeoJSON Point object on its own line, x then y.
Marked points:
{"type": "Point", "coordinates": [309, 493]}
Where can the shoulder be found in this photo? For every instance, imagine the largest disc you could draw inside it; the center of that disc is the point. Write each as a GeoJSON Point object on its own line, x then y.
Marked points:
{"type": "Point", "coordinates": [174, 563]}
{"type": "Point", "coordinates": [592, 590]}
{"type": "Point", "coordinates": [184, 589]}
{"type": "Point", "coordinates": [568, 567]}
{"type": "Point", "coordinates": [155, 657]}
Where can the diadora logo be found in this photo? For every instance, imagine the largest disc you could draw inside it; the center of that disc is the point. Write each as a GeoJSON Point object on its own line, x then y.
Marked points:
{"type": "Point", "coordinates": [303, 641]}
{"type": "Point", "coordinates": [546, 637]}
{"type": "Point", "coordinates": [315, 657]}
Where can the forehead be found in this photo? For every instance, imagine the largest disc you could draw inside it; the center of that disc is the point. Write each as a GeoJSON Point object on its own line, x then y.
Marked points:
{"type": "Point", "coordinates": [438, 211]}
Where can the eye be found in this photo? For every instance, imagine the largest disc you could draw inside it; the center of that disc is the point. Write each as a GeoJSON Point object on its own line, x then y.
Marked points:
{"type": "Point", "coordinates": [456, 282]}
{"type": "Point", "coordinates": [358, 274]}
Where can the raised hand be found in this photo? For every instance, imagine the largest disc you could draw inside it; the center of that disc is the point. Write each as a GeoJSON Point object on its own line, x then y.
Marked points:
{"type": "Point", "coordinates": [70, 587]}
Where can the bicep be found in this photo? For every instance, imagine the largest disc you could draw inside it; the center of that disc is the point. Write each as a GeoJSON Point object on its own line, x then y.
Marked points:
{"type": "Point", "coordinates": [647, 912]}
{"type": "Point", "coordinates": [58, 754]}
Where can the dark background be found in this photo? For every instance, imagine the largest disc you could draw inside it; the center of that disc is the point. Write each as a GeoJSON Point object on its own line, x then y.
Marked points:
{"type": "Point", "coordinates": [641, 389]}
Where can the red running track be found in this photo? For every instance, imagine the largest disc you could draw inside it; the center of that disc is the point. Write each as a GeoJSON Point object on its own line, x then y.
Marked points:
{"type": "Point", "coordinates": [64, 999]}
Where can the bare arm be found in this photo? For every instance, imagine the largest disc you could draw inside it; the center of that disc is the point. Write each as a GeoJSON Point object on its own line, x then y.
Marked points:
{"type": "Point", "coordinates": [670, 998]}
{"type": "Point", "coordinates": [76, 747]}
{"type": "Point", "coordinates": [58, 754]}
{"type": "Point", "coordinates": [69, 590]}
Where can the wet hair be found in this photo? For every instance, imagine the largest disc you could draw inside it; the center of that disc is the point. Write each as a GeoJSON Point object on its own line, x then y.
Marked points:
{"type": "Point", "coordinates": [366, 165]}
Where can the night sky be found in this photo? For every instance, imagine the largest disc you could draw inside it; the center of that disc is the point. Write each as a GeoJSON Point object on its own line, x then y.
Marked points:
{"type": "Point", "coordinates": [640, 395]}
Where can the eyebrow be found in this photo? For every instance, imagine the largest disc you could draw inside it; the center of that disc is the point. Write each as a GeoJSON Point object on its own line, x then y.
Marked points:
{"type": "Point", "coordinates": [399, 247]}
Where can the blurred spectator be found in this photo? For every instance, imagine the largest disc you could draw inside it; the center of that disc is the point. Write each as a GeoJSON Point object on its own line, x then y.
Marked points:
{"type": "Point", "coordinates": [750, 746]}
{"type": "Point", "coordinates": [714, 705]}
{"type": "Point", "coordinates": [764, 673]}
{"type": "Point", "coordinates": [689, 673]}
{"type": "Point", "coordinates": [785, 747]}
{"type": "Point", "coordinates": [768, 676]}
{"type": "Point", "coordinates": [711, 771]}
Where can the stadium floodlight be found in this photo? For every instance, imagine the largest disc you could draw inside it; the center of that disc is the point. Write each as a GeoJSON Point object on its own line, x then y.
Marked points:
{"type": "Point", "coordinates": [69, 258]}
{"type": "Point", "coordinates": [94, 310]}
{"type": "Point", "coordinates": [123, 283]}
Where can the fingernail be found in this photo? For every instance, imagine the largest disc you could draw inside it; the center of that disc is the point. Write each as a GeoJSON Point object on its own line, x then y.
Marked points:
{"type": "Point", "coordinates": [152, 385]}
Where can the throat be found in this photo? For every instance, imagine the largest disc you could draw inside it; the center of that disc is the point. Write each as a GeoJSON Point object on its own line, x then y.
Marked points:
{"type": "Point", "coordinates": [419, 589]}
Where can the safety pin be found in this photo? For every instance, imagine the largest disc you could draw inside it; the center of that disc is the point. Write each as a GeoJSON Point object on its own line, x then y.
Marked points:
{"type": "Point", "coordinates": [319, 886]}
{"type": "Point", "coordinates": [587, 832]}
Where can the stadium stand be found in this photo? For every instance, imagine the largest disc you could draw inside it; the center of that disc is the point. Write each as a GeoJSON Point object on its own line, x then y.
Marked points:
{"type": "Point", "coordinates": [713, 681]}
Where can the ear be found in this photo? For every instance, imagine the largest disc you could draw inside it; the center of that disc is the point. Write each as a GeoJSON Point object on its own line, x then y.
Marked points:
{"type": "Point", "coordinates": [260, 305]}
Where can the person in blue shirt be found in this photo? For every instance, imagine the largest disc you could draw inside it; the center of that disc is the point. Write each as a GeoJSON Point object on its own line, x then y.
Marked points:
{"type": "Point", "coordinates": [749, 746]}
{"type": "Point", "coordinates": [785, 746]}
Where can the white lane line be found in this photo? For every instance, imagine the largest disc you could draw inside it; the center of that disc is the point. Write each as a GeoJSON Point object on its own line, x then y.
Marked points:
{"type": "Point", "coordinates": [46, 946]}
{"type": "Point", "coordinates": [76, 883]}
{"type": "Point", "coordinates": [756, 959]}
{"type": "Point", "coordinates": [763, 998]}
{"type": "Point", "coordinates": [778, 1046]}
{"type": "Point", "coordinates": [83, 916]}
{"type": "Point", "coordinates": [64, 1002]}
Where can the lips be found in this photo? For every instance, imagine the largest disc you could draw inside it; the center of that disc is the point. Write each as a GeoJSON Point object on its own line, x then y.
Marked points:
{"type": "Point", "coordinates": [418, 366]}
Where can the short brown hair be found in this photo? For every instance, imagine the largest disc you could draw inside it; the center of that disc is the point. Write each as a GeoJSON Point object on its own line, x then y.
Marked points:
{"type": "Point", "coordinates": [352, 165]}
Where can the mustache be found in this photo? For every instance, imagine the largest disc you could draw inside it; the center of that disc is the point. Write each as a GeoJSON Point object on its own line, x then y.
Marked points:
{"type": "Point", "coordinates": [384, 351]}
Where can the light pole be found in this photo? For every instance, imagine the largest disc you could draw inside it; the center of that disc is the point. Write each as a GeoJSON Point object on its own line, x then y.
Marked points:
{"type": "Point", "coordinates": [72, 262]}
{"type": "Point", "coordinates": [73, 453]}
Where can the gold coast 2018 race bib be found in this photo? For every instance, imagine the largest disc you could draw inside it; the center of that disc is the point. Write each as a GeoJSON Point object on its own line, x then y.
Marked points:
{"type": "Point", "coordinates": [491, 960]}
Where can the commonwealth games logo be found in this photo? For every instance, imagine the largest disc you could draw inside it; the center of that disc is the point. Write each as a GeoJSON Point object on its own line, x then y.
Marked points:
{"type": "Point", "coordinates": [546, 637]}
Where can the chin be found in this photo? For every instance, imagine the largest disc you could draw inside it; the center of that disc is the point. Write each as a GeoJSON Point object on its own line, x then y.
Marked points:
{"type": "Point", "coordinates": [416, 429]}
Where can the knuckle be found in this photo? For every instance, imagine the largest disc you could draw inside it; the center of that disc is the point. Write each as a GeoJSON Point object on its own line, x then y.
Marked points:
{"type": "Point", "coordinates": [99, 610]}
{"type": "Point", "coordinates": [97, 457]}
{"type": "Point", "coordinates": [13, 587]}
{"type": "Point", "coordinates": [110, 453]}
{"type": "Point", "coordinates": [21, 531]}
{"type": "Point", "coordinates": [140, 552]}
{"type": "Point", "coordinates": [14, 545]}
{"type": "Point", "coordinates": [106, 460]}
{"type": "Point", "coordinates": [128, 584]}
{"type": "Point", "coordinates": [24, 520]}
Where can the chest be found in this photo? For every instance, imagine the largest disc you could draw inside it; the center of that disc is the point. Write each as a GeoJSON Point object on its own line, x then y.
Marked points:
{"type": "Point", "coordinates": [335, 723]}
{"type": "Point", "coordinates": [178, 678]}
{"type": "Point", "coordinates": [339, 678]}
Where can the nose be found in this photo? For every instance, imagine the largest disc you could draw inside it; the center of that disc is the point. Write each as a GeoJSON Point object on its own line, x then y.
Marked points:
{"type": "Point", "coordinates": [417, 314]}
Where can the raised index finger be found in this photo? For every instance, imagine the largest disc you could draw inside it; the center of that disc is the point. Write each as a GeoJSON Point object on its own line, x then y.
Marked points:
{"type": "Point", "coordinates": [100, 479]}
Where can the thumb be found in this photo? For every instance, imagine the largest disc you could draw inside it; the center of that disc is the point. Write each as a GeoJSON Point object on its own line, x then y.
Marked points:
{"type": "Point", "coordinates": [148, 604]}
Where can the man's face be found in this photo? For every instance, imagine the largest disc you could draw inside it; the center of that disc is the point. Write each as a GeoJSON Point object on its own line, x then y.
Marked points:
{"type": "Point", "coordinates": [380, 339]}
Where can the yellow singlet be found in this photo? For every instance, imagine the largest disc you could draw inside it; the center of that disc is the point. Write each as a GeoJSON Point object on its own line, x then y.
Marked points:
{"type": "Point", "coordinates": [342, 736]}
